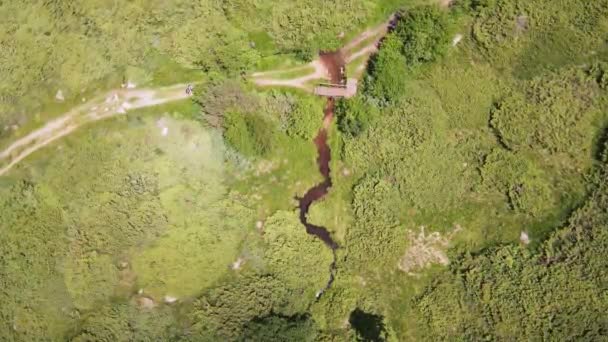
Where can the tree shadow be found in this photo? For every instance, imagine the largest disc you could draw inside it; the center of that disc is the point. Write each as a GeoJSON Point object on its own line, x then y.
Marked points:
{"type": "Point", "coordinates": [369, 327]}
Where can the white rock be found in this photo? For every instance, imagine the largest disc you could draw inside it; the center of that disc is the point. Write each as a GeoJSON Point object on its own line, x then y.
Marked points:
{"type": "Point", "coordinates": [238, 263]}
{"type": "Point", "coordinates": [121, 110]}
{"type": "Point", "coordinates": [165, 131]}
{"type": "Point", "coordinates": [259, 225]}
{"type": "Point", "coordinates": [170, 299]}
{"type": "Point", "coordinates": [131, 85]}
{"type": "Point", "coordinates": [59, 95]}
{"type": "Point", "coordinates": [146, 303]}
{"type": "Point", "coordinates": [457, 39]}
{"type": "Point", "coordinates": [524, 238]}
{"type": "Point", "coordinates": [126, 105]}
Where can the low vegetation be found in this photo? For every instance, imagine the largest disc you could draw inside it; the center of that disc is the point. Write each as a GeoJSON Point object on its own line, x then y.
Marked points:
{"type": "Point", "coordinates": [179, 222]}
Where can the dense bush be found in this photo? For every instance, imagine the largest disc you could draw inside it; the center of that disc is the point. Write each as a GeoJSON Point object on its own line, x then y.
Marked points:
{"type": "Point", "coordinates": [516, 177]}
{"type": "Point", "coordinates": [250, 134]}
{"type": "Point", "coordinates": [354, 115]}
{"type": "Point", "coordinates": [288, 245]}
{"type": "Point", "coordinates": [388, 72]}
{"type": "Point", "coordinates": [305, 119]}
{"type": "Point", "coordinates": [277, 328]}
{"type": "Point", "coordinates": [512, 293]}
{"type": "Point", "coordinates": [225, 310]}
{"type": "Point", "coordinates": [553, 113]}
{"type": "Point", "coordinates": [424, 32]}
{"type": "Point", "coordinates": [374, 234]}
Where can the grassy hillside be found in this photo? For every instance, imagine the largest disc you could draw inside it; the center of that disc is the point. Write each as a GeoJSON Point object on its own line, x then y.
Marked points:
{"type": "Point", "coordinates": [469, 175]}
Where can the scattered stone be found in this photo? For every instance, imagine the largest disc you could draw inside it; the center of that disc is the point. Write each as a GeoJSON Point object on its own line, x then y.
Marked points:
{"type": "Point", "coordinates": [345, 172]}
{"type": "Point", "coordinates": [170, 299]}
{"type": "Point", "coordinates": [59, 96]}
{"type": "Point", "coordinates": [457, 39]}
{"type": "Point", "coordinates": [238, 263]}
{"type": "Point", "coordinates": [165, 131]}
{"type": "Point", "coordinates": [521, 24]}
{"type": "Point", "coordinates": [426, 249]}
{"type": "Point", "coordinates": [146, 303]}
{"type": "Point", "coordinates": [259, 225]}
{"type": "Point", "coordinates": [524, 238]}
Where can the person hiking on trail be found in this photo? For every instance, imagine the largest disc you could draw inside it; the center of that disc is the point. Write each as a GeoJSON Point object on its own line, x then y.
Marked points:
{"type": "Point", "coordinates": [189, 89]}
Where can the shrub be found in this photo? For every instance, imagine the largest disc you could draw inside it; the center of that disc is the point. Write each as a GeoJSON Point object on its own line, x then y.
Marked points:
{"type": "Point", "coordinates": [388, 74]}
{"type": "Point", "coordinates": [354, 115]}
{"type": "Point", "coordinates": [424, 32]}
{"type": "Point", "coordinates": [525, 186]}
{"type": "Point", "coordinates": [305, 119]}
{"type": "Point", "coordinates": [250, 134]}
{"type": "Point", "coordinates": [554, 113]}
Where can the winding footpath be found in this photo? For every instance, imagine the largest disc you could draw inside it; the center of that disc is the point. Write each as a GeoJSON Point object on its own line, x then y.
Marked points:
{"type": "Point", "coordinates": [113, 103]}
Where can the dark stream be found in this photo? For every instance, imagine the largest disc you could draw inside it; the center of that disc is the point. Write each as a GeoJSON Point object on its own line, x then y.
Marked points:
{"type": "Point", "coordinates": [335, 65]}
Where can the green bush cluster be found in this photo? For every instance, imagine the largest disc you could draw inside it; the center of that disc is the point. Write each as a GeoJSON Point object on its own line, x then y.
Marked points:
{"type": "Point", "coordinates": [554, 113]}
{"type": "Point", "coordinates": [425, 34]}
{"type": "Point", "coordinates": [517, 177]}
{"type": "Point", "coordinates": [510, 292]}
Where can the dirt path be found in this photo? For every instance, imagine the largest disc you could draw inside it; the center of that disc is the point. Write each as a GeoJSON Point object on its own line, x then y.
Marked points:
{"type": "Point", "coordinates": [320, 72]}
{"type": "Point", "coordinates": [350, 52]}
{"type": "Point", "coordinates": [113, 103]}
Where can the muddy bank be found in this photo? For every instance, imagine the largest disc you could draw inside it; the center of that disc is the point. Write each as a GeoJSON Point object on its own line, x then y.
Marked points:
{"type": "Point", "coordinates": [334, 63]}
{"type": "Point", "coordinates": [320, 190]}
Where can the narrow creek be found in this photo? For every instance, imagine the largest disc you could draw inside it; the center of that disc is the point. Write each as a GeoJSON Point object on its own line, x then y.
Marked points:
{"type": "Point", "coordinates": [334, 62]}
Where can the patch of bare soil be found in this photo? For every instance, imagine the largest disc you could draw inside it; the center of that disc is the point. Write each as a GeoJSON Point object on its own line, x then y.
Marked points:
{"type": "Point", "coordinates": [425, 250]}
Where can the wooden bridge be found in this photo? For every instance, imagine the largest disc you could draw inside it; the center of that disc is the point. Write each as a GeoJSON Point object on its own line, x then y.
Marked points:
{"type": "Point", "coordinates": [337, 90]}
